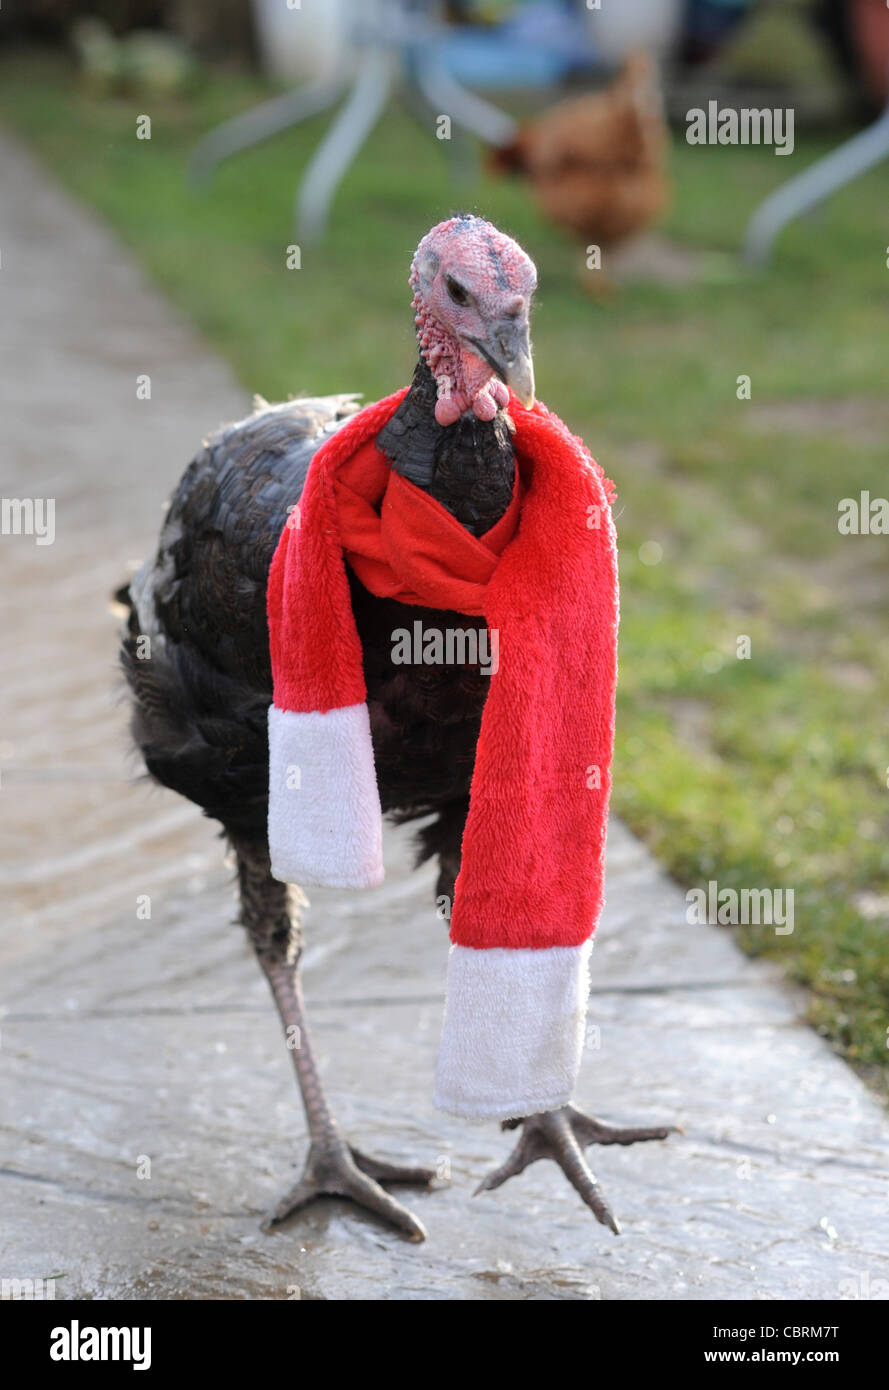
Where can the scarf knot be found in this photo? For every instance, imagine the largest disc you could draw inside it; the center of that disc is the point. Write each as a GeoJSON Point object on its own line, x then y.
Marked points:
{"type": "Point", "coordinates": [403, 544]}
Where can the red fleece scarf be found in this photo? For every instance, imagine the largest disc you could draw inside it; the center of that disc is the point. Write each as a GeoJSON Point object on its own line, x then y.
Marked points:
{"type": "Point", "coordinates": [530, 888]}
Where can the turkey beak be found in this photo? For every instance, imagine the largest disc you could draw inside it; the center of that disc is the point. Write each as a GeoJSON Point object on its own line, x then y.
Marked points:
{"type": "Point", "coordinates": [507, 351]}
{"type": "Point", "coordinates": [511, 354]}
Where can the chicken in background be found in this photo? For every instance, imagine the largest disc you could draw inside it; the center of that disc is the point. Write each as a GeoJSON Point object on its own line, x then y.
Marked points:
{"type": "Point", "coordinates": [598, 163]}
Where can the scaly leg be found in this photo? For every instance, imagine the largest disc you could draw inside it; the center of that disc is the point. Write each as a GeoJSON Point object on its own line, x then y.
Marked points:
{"type": "Point", "coordinates": [333, 1168]}
{"type": "Point", "coordinates": [562, 1135]}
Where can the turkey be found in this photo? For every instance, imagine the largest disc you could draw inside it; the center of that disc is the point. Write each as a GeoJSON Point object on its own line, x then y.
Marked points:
{"type": "Point", "coordinates": [200, 704]}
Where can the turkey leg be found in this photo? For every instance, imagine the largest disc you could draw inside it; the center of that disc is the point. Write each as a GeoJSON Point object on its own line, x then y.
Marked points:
{"type": "Point", "coordinates": [333, 1167]}
{"type": "Point", "coordinates": [562, 1135]}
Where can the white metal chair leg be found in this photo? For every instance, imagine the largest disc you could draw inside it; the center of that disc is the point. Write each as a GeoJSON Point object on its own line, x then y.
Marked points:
{"type": "Point", "coordinates": [343, 141]}
{"type": "Point", "coordinates": [448, 98]}
{"type": "Point", "coordinates": [812, 186]}
{"type": "Point", "coordinates": [403, 41]}
{"type": "Point", "coordinates": [263, 121]}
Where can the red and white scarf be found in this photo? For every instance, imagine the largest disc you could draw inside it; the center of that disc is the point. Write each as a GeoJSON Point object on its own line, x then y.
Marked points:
{"type": "Point", "coordinates": [530, 888]}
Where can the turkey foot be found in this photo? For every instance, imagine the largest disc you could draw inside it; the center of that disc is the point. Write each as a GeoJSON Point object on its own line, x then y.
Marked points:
{"type": "Point", "coordinates": [335, 1169]}
{"type": "Point", "coordinates": [562, 1135]}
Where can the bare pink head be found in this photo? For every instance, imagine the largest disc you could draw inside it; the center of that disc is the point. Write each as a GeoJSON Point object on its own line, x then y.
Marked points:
{"type": "Point", "coordinates": [472, 300]}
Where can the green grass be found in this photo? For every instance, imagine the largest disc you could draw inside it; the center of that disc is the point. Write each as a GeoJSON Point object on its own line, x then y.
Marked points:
{"type": "Point", "coordinates": [767, 772]}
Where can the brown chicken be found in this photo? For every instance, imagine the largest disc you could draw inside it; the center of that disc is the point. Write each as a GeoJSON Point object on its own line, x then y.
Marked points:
{"type": "Point", "coordinates": [597, 162]}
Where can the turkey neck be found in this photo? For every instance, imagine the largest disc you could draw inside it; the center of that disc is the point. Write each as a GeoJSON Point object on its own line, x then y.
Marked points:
{"type": "Point", "coordinates": [469, 467]}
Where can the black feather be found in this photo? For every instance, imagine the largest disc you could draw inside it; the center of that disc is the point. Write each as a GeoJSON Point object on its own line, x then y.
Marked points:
{"type": "Point", "coordinates": [202, 683]}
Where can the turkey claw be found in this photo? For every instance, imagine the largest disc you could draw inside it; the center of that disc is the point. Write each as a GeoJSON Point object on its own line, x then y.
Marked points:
{"type": "Point", "coordinates": [562, 1135]}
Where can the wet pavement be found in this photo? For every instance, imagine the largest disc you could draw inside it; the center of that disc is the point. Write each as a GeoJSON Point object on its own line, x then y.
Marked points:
{"type": "Point", "coordinates": [147, 1109]}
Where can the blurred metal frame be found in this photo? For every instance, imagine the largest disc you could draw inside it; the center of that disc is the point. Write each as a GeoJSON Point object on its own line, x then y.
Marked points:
{"type": "Point", "coordinates": [799, 195]}
{"type": "Point", "coordinates": [400, 45]}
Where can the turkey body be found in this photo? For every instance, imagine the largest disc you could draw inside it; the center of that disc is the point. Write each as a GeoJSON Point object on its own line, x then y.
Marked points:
{"type": "Point", "coordinates": [195, 650]}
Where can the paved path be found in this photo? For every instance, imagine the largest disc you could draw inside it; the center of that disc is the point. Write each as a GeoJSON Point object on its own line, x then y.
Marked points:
{"type": "Point", "coordinates": [126, 1038]}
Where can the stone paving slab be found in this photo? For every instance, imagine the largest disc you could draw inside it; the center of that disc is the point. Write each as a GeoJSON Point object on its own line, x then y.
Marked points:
{"type": "Point", "coordinates": [125, 1038]}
